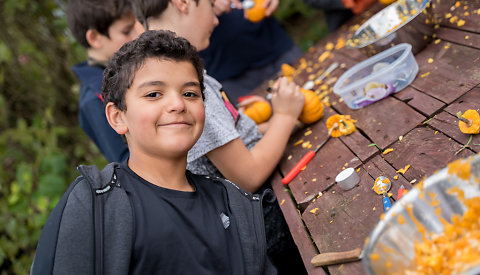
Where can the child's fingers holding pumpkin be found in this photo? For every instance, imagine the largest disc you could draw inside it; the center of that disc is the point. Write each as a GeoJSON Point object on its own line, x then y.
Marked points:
{"type": "Point", "coordinates": [270, 6]}
{"type": "Point", "coordinates": [288, 99]}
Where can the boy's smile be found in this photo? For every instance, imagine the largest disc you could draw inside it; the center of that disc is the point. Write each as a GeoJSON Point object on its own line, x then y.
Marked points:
{"type": "Point", "coordinates": [165, 112]}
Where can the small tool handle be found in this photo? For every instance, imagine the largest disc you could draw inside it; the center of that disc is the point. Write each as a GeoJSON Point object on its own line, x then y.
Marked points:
{"type": "Point", "coordinates": [387, 204]}
{"type": "Point", "coordinates": [298, 167]}
{"type": "Point", "coordinates": [336, 257]}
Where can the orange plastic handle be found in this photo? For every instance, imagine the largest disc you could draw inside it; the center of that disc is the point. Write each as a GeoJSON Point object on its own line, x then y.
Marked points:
{"type": "Point", "coordinates": [298, 167]}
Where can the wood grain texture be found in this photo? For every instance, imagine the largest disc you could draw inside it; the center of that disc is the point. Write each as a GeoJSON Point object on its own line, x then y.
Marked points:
{"type": "Point", "coordinates": [421, 102]}
{"type": "Point", "coordinates": [296, 226]}
{"type": "Point", "coordinates": [425, 151]}
{"type": "Point", "coordinates": [341, 220]}
{"type": "Point", "coordinates": [447, 124]}
{"type": "Point", "coordinates": [448, 71]}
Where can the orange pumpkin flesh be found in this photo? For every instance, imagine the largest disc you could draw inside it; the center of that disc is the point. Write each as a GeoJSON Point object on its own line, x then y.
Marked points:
{"type": "Point", "coordinates": [339, 125]}
{"type": "Point", "coordinates": [257, 13]}
{"type": "Point", "coordinates": [312, 108]}
{"type": "Point", "coordinates": [469, 122]}
{"type": "Point", "coordinates": [258, 111]}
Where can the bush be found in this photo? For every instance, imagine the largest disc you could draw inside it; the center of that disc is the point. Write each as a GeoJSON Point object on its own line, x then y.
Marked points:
{"type": "Point", "coordinates": [40, 140]}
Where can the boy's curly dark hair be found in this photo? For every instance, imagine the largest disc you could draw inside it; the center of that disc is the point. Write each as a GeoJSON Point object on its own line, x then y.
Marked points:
{"type": "Point", "coordinates": [161, 44]}
{"type": "Point", "coordinates": [99, 15]}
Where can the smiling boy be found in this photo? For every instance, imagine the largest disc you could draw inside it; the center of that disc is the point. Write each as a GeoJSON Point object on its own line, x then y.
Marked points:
{"type": "Point", "coordinates": [231, 145]}
{"type": "Point", "coordinates": [180, 223]}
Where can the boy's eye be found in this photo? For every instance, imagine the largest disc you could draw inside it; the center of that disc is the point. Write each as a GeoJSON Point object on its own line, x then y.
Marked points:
{"type": "Point", "coordinates": [190, 94]}
{"type": "Point", "coordinates": [153, 94]}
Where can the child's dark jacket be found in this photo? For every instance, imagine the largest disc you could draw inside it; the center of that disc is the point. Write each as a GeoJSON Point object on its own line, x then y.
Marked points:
{"type": "Point", "coordinates": [69, 245]}
{"type": "Point", "coordinates": [92, 113]}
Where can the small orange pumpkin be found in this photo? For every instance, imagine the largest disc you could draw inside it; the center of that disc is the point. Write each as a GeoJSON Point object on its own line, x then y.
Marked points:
{"type": "Point", "coordinates": [469, 122]}
{"type": "Point", "coordinates": [288, 70]}
{"type": "Point", "coordinates": [339, 125]}
{"type": "Point", "coordinates": [312, 108]}
{"type": "Point", "coordinates": [257, 12]}
{"type": "Point", "coordinates": [258, 111]}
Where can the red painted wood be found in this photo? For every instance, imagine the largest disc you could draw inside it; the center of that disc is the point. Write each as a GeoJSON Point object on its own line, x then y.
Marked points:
{"type": "Point", "coordinates": [382, 124]}
{"type": "Point", "coordinates": [454, 70]}
{"type": "Point", "coordinates": [421, 102]}
{"type": "Point", "coordinates": [297, 228]}
{"type": "Point", "coordinates": [448, 125]}
{"type": "Point", "coordinates": [444, 7]}
{"type": "Point", "coordinates": [425, 151]}
{"type": "Point", "coordinates": [471, 100]}
{"type": "Point", "coordinates": [343, 219]}
{"type": "Point", "coordinates": [459, 37]}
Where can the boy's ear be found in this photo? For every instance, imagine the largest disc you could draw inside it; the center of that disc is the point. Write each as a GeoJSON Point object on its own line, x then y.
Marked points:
{"type": "Point", "coordinates": [93, 38]}
{"type": "Point", "coordinates": [115, 118]}
{"type": "Point", "coordinates": [182, 5]}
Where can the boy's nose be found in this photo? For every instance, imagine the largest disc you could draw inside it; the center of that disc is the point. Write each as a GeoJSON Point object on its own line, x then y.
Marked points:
{"type": "Point", "coordinates": [175, 103]}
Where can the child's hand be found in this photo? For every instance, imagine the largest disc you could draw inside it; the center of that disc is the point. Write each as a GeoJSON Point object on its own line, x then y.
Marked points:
{"type": "Point", "coordinates": [287, 98]}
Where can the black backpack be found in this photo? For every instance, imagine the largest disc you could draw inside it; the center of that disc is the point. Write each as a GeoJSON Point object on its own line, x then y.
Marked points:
{"type": "Point", "coordinates": [47, 249]}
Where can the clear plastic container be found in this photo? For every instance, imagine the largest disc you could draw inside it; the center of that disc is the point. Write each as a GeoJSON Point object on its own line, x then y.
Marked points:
{"type": "Point", "coordinates": [377, 77]}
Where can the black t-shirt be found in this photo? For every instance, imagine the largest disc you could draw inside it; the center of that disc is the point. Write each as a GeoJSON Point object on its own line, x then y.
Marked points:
{"type": "Point", "coordinates": [179, 232]}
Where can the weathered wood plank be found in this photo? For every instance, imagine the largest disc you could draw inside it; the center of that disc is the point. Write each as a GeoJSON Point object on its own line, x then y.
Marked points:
{"type": "Point", "coordinates": [451, 13]}
{"type": "Point", "coordinates": [448, 125]}
{"type": "Point", "coordinates": [448, 71]}
{"type": "Point", "coordinates": [320, 173]}
{"type": "Point", "coordinates": [459, 37]}
{"type": "Point", "coordinates": [344, 219]}
{"type": "Point", "coordinates": [470, 100]}
{"type": "Point", "coordinates": [382, 123]}
{"type": "Point", "coordinates": [421, 102]}
{"type": "Point", "coordinates": [295, 224]}
{"type": "Point", "coordinates": [425, 151]}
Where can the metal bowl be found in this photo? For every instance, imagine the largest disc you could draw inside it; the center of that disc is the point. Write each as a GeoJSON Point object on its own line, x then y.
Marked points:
{"type": "Point", "coordinates": [405, 21]}
{"type": "Point", "coordinates": [393, 241]}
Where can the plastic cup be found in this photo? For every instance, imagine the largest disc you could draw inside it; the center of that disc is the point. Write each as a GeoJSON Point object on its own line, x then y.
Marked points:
{"type": "Point", "coordinates": [347, 179]}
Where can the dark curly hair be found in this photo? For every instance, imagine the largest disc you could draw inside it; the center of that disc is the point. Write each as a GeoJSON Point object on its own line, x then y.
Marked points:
{"type": "Point", "coordinates": [161, 44]}
{"type": "Point", "coordinates": [99, 15]}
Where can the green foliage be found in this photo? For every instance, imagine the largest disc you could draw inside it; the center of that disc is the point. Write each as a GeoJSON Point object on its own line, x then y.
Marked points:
{"type": "Point", "coordinates": [305, 25]}
{"type": "Point", "coordinates": [40, 140]}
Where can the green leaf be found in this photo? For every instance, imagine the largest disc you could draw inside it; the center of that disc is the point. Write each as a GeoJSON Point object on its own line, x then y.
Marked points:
{"type": "Point", "coordinates": [5, 53]}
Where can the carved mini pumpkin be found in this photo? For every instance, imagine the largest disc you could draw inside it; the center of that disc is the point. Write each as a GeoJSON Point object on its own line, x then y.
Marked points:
{"type": "Point", "coordinates": [339, 125]}
{"type": "Point", "coordinates": [257, 13]}
{"type": "Point", "coordinates": [312, 108]}
{"type": "Point", "coordinates": [469, 122]}
{"type": "Point", "coordinates": [258, 111]}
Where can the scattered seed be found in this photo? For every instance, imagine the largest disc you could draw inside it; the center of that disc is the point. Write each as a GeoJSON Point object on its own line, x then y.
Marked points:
{"type": "Point", "coordinates": [314, 210]}
{"type": "Point", "coordinates": [387, 151]}
{"type": "Point", "coordinates": [283, 201]}
{"type": "Point", "coordinates": [425, 74]}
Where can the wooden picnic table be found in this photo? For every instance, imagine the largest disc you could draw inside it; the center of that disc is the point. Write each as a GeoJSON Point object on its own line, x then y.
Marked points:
{"type": "Point", "coordinates": [419, 123]}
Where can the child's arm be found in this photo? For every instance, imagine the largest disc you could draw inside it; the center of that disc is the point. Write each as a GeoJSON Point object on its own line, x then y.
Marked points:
{"type": "Point", "coordinates": [251, 168]}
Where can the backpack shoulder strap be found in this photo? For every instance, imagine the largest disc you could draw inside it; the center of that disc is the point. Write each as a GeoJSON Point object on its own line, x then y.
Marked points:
{"type": "Point", "coordinates": [45, 253]}
{"type": "Point", "coordinates": [248, 211]}
{"type": "Point", "coordinates": [82, 216]}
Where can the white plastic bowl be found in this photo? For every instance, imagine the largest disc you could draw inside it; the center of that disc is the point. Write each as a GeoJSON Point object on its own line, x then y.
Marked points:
{"type": "Point", "coordinates": [377, 77]}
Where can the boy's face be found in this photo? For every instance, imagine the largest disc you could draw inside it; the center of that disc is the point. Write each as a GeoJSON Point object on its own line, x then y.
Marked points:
{"type": "Point", "coordinates": [203, 20]}
{"type": "Point", "coordinates": [120, 32]}
{"type": "Point", "coordinates": [165, 112]}
{"type": "Point", "coordinates": [193, 21]}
